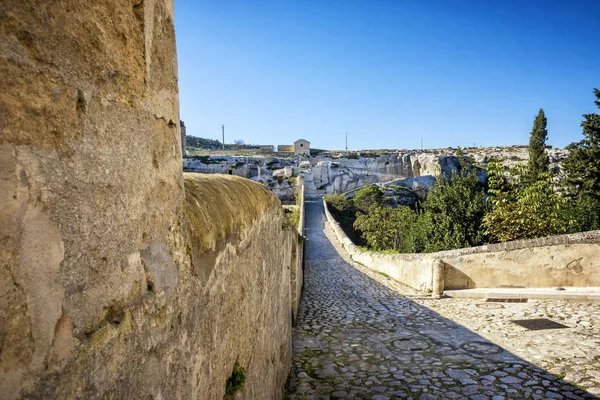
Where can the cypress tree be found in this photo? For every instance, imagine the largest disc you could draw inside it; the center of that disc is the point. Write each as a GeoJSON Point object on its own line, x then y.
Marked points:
{"type": "Point", "coordinates": [538, 159]}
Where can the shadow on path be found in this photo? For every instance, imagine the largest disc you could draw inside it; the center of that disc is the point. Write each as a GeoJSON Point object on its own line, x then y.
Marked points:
{"type": "Point", "coordinates": [356, 338]}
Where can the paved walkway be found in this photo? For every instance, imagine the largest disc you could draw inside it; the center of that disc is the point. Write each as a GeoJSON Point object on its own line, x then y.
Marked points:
{"type": "Point", "coordinates": [363, 336]}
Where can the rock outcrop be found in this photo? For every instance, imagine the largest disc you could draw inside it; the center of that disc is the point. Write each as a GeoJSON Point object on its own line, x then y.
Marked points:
{"type": "Point", "coordinates": [346, 171]}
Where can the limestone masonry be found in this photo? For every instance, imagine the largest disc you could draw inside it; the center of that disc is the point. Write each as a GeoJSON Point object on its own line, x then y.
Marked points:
{"type": "Point", "coordinates": [565, 260]}
{"type": "Point", "coordinates": [120, 278]}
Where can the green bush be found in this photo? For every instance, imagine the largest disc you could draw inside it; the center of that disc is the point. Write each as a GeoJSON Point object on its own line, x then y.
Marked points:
{"type": "Point", "coordinates": [455, 208]}
{"type": "Point", "coordinates": [236, 381]}
{"type": "Point", "coordinates": [368, 197]}
{"type": "Point", "coordinates": [386, 228]}
{"type": "Point", "coordinates": [585, 214]}
{"type": "Point", "coordinates": [338, 202]}
{"type": "Point", "coordinates": [342, 209]}
{"type": "Point", "coordinates": [525, 211]}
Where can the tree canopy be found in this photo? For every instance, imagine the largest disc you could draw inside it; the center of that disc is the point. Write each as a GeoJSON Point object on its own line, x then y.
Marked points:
{"type": "Point", "coordinates": [367, 197]}
{"type": "Point", "coordinates": [582, 166]}
{"type": "Point", "coordinates": [455, 208]}
{"type": "Point", "coordinates": [524, 211]}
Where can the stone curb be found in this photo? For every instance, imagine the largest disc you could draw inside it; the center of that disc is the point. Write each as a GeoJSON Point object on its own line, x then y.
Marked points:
{"type": "Point", "coordinates": [592, 294]}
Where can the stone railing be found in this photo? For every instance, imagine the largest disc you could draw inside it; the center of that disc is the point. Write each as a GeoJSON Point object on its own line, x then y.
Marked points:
{"type": "Point", "coordinates": [565, 260]}
{"type": "Point", "coordinates": [297, 273]}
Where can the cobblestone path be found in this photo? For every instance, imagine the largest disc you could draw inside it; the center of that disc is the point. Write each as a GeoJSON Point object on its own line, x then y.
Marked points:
{"type": "Point", "coordinates": [363, 336]}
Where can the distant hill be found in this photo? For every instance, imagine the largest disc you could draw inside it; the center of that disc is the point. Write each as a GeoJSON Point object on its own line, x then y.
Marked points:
{"type": "Point", "coordinates": [209, 144]}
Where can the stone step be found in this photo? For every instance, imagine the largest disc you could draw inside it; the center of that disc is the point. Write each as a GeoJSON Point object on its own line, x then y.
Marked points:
{"type": "Point", "coordinates": [569, 293]}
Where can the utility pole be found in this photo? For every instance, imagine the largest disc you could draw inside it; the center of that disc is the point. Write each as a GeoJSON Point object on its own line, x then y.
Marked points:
{"type": "Point", "coordinates": [346, 141]}
{"type": "Point", "coordinates": [223, 143]}
{"type": "Point", "coordinates": [421, 143]}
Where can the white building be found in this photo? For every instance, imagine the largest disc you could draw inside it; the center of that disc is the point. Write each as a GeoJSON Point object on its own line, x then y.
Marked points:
{"type": "Point", "coordinates": [301, 147]}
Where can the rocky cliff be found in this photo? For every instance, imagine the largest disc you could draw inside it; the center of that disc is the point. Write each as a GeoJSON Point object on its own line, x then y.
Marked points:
{"type": "Point", "coordinates": [117, 281]}
{"type": "Point", "coordinates": [339, 172]}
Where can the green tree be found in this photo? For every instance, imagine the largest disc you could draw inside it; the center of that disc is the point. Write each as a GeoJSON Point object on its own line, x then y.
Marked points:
{"type": "Point", "coordinates": [386, 228]}
{"type": "Point", "coordinates": [582, 166]}
{"type": "Point", "coordinates": [337, 202]}
{"type": "Point", "coordinates": [455, 207]}
{"type": "Point", "coordinates": [419, 234]}
{"type": "Point", "coordinates": [585, 211]}
{"type": "Point", "coordinates": [538, 159]}
{"type": "Point", "coordinates": [524, 211]}
{"type": "Point", "coordinates": [368, 197]}
{"type": "Point", "coordinates": [453, 211]}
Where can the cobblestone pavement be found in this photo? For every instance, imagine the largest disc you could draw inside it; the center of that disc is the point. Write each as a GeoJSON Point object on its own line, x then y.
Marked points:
{"type": "Point", "coordinates": [361, 335]}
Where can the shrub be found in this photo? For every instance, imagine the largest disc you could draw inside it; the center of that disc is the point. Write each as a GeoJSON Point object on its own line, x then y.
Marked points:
{"type": "Point", "coordinates": [342, 209]}
{"type": "Point", "coordinates": [585, 214]}
{"type": "Point", "coordinates": [368, 197]}
{"type": "Point", "coordinates": [386, 228]}
{"type": "Point", "coordinates": [338, 202]}
{"type": "Point", "coordinates": [236, 381]}
{"type": "Point", "coordinates": [454, 211]}
{"type": "Point", "coordinates": [293, 214]}
{"type": "Point", "coordinates": [525, 211]}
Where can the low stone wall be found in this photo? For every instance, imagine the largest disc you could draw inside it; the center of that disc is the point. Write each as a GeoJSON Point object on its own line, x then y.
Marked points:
{"type": "Point", "coordinates": [565, 260]}
{"type": "Point", "coordinates": [297, 272]}
{"type": "Point", "coordinates": [236, 300]}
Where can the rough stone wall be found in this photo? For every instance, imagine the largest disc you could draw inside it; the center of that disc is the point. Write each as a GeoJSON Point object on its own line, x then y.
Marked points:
{"type": "Point", "coordinates": [238, 289]}
{"type": "Point", "coordinates": [112, 284]}
{"type": "Point", "coordinates": [90, 170]}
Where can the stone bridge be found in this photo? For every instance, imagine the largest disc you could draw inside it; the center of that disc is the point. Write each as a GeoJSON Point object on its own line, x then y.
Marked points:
{"type": "Point", "coordinates": [362, 335]}
{"type": "Point", "coordinates": [123, 278]}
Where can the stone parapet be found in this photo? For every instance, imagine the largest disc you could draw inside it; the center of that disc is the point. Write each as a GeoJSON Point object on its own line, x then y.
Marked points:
{"type": "Point", "coordinates": [571, 260]}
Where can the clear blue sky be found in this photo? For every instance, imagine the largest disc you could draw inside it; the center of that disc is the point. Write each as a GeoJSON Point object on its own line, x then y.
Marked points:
{"type": "Point", "coordinates": [453, 72]}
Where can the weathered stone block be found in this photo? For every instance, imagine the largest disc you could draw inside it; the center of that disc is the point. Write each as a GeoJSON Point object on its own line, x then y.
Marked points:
{"type": "Point", "coordinates": [100, 294]}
